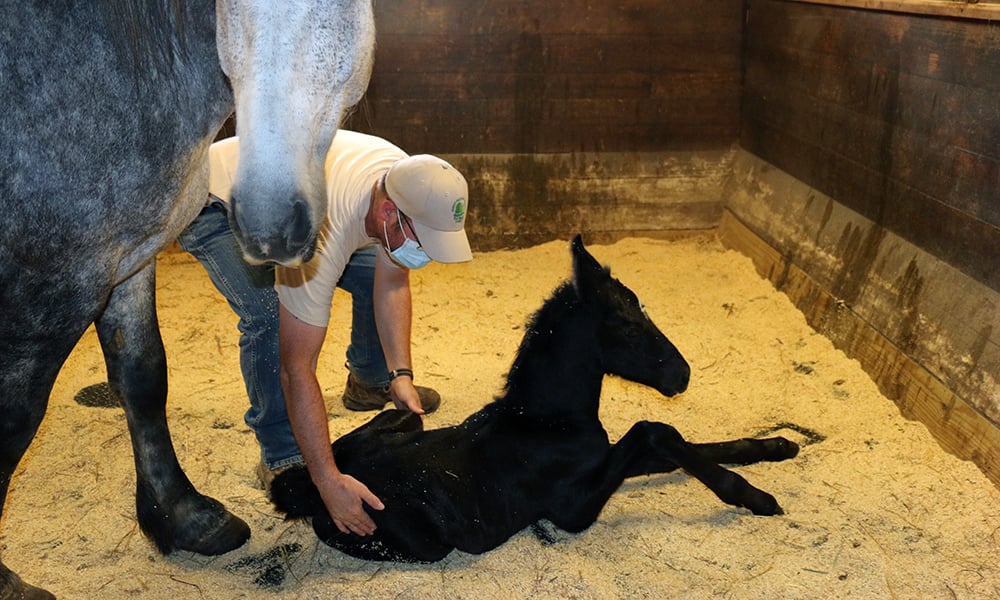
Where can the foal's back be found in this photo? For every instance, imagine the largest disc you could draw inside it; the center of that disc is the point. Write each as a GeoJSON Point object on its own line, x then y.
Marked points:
{"type": "Point", "coordinates": [467, 487]}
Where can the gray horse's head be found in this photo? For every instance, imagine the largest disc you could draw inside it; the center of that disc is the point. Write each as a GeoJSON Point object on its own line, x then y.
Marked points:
{"type": "Point", "coordinates": [295, 68]}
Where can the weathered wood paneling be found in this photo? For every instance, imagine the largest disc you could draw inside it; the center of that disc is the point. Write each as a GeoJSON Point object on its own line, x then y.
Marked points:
{"type": "Point", "coordinates": [872, 198]}
{"type": "Point", "coordinates": [556, 76]}
{"type": "Point", "coordinates": [959, 427]}
{"type": "Point", "coordinates": [567, 115]}
{"type": "Point", "coordinates": [896, 116]}
{"type": "Point", "coordinates": [926, 332]}
{"type": "Point", "coordinates": [988, 10]}
{"type": "Point", "coordinates": [526, 199]}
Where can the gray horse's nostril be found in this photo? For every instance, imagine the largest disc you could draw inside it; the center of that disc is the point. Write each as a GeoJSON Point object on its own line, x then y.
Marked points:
{"type": "Point", "coordinates": [289, 241]}
{"type": "Point", "coordinates": [298, 232]}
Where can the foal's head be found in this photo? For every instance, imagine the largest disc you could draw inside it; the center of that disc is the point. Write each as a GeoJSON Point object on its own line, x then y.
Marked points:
{"type": "Point", "coordinates": [631, 345]}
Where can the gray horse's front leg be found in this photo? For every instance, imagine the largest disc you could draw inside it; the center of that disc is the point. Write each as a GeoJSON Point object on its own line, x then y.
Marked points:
{"type": "Point", "coordinates": [170, 510]}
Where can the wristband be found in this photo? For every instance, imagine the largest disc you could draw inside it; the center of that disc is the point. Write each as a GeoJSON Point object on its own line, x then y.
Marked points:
{"type": "Point", "coordinates": [397, 372]}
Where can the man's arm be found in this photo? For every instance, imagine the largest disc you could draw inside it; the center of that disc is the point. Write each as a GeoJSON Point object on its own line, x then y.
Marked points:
{"type": "Point", "coordinates": [393, 312]}
{"type": "Point", "coordinates": [299, 347]}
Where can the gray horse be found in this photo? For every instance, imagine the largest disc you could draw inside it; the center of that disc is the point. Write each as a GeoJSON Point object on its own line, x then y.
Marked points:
{"type": "Point", "coordinates": [107, 109]}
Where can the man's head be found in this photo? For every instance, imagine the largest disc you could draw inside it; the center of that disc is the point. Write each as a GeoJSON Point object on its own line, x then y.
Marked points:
{"type": "Point", "coordinates": [434, 197]}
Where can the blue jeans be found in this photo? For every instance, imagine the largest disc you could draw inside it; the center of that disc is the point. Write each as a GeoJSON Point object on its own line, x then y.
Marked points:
{"type": "Point", "coordinates": [250, 292]}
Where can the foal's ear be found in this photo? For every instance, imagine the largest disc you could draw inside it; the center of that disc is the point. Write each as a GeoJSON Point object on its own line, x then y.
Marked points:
{"type": "Point", "coordinates": [588, 274]}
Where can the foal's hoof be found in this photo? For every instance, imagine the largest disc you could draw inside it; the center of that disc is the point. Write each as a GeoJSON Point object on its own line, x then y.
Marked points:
{"type": "Point", "coordinates": [762, 504]}
{"type": "Point", "coordinates": [778, 448]}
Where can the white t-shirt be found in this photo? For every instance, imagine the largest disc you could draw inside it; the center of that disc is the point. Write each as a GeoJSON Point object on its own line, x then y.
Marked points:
{"type": "Point", "coordinates": [354, 163]}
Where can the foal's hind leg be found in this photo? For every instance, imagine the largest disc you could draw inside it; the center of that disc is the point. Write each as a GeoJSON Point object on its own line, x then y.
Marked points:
{"type": "Point", "coordinates": [170, 510]}
{"type": "Point", "coordinates": [293, 491]}
{"type": "Point", "coordinates": [747, 451]}
{"type": "Point", "coordinates": [394, 420]}
{"type": "Point", "coordinates": [744, 451]}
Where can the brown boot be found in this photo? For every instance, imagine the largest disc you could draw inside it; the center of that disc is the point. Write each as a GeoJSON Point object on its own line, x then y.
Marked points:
{"type": "Point", "coordinates": [358, 396]}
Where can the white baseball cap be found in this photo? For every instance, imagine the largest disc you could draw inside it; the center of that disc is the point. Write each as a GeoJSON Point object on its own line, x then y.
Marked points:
{"type": "Point", "coordinates": [435, 196]}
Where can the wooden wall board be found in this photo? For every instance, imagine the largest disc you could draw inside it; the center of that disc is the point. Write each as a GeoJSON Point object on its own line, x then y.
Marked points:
{"type": "Point", "coordinates": [565, 115]}
{"type": "Point", "coordinates": [926, 332]}
{"type": "Point", "coordinates": [893, 115]}
{"type": "Point", "coordinates": [441, 17]}
{"type": "Point", "coordinates": [988, 10]}
{"type": "Point", "coordinates": [553, 77]}
{"type": "Point", "coordinates": [517, 200]}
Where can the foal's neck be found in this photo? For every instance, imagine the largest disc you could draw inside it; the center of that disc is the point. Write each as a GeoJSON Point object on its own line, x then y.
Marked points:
{"type": "Point", "coordinates": [557, 373]}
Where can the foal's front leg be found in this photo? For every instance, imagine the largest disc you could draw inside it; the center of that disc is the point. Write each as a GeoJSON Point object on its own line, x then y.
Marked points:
{"type": "Point", "coordinates": [170, 510]}
{"type": "Point", "coordinates": [744, 451]}
{"type": "Point", "coordinates": [702, 461]}
{"type": "Point", "coordinates": [658, 448]}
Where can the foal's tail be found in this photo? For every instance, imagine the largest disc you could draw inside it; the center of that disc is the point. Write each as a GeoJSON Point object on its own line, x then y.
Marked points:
{"type": "Point", "coordinates": [294, 494]}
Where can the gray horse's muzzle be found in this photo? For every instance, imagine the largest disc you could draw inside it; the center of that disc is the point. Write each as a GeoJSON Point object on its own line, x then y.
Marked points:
{"type": "Point", "coordinates": [288, 241]}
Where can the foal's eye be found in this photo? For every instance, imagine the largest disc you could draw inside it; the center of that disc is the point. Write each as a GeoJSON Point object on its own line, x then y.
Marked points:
{"type": "Point", "coordinates": [627, 328]}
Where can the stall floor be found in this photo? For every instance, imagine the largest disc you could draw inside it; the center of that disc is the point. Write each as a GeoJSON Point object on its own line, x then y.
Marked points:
{"type": "Point", "coordinates": [874, 508]}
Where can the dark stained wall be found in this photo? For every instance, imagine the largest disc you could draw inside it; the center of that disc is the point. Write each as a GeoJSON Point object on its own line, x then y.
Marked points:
{"type": "Point", "coordinates": [502, 76]}
{"type": "Point", "coordinates": [897, 116]}
{"type": "Point", "coordinates": [867, 187]}
{"type": "Point", "coordinates": [607, 118]}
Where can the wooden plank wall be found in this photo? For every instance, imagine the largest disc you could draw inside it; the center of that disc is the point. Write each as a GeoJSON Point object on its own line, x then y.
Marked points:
{"type": "Point", "coordinates": [615, 117]}
{"type": "Point", "coordinates": [919, 327]}
{"type": "Point", "coordinates": [875, 178]}
{"type": "Point", "coordinates": [896, 116]}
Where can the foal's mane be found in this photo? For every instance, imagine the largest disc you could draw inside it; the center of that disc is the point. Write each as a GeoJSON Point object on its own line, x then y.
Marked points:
{"type": "Point", "coordinates": [538, 336]}
{"type": "Point", "coordinates": [148, 33]}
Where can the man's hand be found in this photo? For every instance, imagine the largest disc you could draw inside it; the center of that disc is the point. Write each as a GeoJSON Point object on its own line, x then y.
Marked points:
{"type": "Point", "coordinates": [345, 497]}
{"type": "Point", "coordinates": [404, 395]}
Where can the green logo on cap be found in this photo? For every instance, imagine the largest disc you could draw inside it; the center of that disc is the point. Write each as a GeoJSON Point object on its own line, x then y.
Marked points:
{"type": "Point", "coordinates": [458, 210]}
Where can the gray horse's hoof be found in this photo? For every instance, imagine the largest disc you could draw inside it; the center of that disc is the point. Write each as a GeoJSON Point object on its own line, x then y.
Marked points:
{"type": "Point", "coordinates": [195, 523]}
{"type": "Point", "coordinates": [209, 529]}
{"type": "Point", "coordinates": [13, 587]}
{"type": "Point", "coordinates": [231, 533]}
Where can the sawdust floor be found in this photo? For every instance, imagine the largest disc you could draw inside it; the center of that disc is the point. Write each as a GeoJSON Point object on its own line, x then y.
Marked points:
{"type": "Point", "coordinates": [874, 510]}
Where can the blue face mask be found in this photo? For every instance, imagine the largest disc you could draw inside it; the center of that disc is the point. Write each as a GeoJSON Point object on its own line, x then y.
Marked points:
{"type": "Point", "coordinates": [409, 254]}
